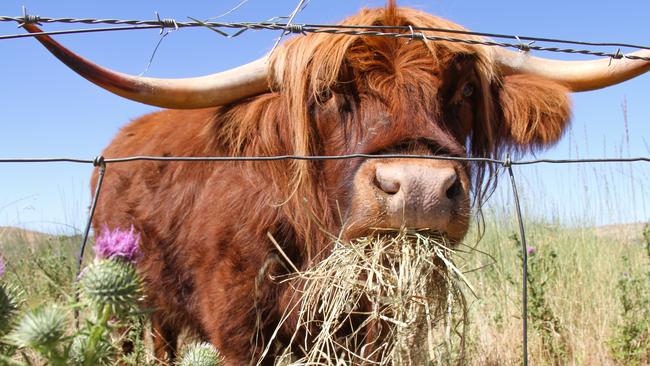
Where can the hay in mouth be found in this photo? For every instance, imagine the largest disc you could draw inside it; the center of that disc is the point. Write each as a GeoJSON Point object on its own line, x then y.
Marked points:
{"type": "Point", "coordinates": [392, 298]}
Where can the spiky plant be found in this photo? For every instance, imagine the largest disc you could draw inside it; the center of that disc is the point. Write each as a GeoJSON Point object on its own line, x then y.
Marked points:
{"type": "Point", "coordinates": [42, 330]}
{"type": "Point", "coordinates": [11, 299]}
{"type": "Point", "coordinates": [112, 284]}
{"type": "Point", "coordinates": [110, 290]}
{"type": "Point", "coordinates": [84, 352]}
{"type": "Point", "coordinates": [200, 354]}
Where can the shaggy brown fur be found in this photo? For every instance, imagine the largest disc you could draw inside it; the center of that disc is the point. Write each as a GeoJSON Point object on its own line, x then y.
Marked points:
{"type": "Point", "coordinates": [204, 225]}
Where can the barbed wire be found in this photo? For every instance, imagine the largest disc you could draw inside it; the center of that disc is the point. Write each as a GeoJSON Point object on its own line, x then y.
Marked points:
{"type": "Point", "coordinates": [165, 23]}
{"type": "Point", "coordinates": [352, 30]}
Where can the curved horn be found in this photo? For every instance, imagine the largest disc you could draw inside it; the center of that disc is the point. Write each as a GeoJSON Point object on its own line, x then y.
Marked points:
{"type": "Point", "coordinates": [198, 92]}
{"type": "Point", "coordinates": [577, 75]}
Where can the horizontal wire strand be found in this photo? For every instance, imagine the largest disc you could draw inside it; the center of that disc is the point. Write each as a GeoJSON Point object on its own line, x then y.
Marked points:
{"type": "Point", "coordinates": [320, 157]}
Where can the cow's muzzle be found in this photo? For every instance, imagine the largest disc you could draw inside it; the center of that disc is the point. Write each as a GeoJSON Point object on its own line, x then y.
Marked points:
{"type": "Point", "coordinates": [413, 194]}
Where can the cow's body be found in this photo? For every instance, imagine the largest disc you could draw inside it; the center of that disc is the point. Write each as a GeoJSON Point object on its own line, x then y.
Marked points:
{"type": "Point", "coordinates": [202, 225]}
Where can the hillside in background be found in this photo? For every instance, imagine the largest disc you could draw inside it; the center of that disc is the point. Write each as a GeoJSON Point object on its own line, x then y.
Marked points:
{"type": "Point", "coordinates": [12, 234]}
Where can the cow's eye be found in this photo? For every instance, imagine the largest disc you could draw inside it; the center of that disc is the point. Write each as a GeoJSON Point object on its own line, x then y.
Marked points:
{"type": "Point", "coordinates": [468, 90]}
{"type": "Point", "coordinates": [324, 96]}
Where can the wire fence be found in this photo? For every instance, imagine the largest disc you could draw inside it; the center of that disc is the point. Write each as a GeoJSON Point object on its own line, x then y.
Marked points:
{"type": "Point", "coordinates": [415, 33]}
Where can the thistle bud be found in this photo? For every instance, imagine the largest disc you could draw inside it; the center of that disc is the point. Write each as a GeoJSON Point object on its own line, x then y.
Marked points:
{"type": "Point", "coordinates": [200, 354]}
{"type": "Point", "coordinates": [40, 329]}
{"type": "Point", "coordinates": [103, 352]}
{"type": "Point", "coordinates": [111, 282]}
{"type": "Point", "coordinates": [11, 299]}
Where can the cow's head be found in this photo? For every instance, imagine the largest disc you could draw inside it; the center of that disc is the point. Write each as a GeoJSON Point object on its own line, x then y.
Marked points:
{"type": "Point", "coordinates": [342, 94]}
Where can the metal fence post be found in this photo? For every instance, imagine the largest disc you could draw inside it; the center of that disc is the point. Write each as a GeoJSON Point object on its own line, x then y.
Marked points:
{"type": "Point", "coordinates": [524, 254]}
{"type": "Point", "coordinates": [97, 162]}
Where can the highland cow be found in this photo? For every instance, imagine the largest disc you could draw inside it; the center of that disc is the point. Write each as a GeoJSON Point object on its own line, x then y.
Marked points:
{"type": "Point", "coordinates": [208, 262]}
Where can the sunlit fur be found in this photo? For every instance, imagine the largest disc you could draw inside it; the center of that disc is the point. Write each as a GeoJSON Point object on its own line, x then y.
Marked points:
{"type": "Point", "coordinates": [205, 226]}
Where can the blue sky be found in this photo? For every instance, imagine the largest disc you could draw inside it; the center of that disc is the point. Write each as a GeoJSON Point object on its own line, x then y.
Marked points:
{"type": "Point", "coordinates": [47, 110]}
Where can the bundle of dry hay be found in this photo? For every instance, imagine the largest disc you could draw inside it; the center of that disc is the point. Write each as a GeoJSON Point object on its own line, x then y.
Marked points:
{"type": "Point", "coordinates": [388, 299]}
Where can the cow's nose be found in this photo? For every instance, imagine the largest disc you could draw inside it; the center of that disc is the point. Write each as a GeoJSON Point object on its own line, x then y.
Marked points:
{"type": "Point", "coordinates": [418, 196]}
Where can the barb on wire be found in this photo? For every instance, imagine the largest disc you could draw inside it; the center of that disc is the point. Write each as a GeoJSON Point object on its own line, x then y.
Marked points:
{"type": "Point", "coordinates": [288, 28]}
{"type": "Point", "coordinates": [169, 25]}
{"type": "Point", "coordinates": [524, 47]}
{"type": "Point", "coordinates": [29, 19]}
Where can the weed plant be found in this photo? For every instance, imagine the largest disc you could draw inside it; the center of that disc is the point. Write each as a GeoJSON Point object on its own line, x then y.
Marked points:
{"type": "Point", "coordinates": [542, 270]}
{"type": "Point", "coordinates": [630, 343]}
{"type": "Point", "coordinates": [108, 308]}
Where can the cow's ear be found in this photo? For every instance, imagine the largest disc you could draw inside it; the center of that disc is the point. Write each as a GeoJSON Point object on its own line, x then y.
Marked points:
{"type": "Point", "coordinates": [535, 111]}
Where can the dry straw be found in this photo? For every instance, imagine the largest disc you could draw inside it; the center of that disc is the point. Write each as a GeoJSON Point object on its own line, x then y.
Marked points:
{"type": "Point", "coordinates": [394, 298]}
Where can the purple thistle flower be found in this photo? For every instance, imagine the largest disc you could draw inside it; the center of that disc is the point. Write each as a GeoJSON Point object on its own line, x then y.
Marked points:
{"type": "Point", "coordinates": [118, 244]}
{"type": "Point", "coordinates": [531, 250]}
{"type": "Point", "coordinates": [2, 266]}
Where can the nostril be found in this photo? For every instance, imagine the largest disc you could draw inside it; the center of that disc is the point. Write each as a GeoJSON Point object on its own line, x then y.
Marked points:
{"type": "Point", "coordinates": [455, 189]}
{"type": "Point", "coordinates": [386, 184]}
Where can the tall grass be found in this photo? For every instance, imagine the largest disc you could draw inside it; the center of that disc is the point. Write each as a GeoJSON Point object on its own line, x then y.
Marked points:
{"type": "Point", "coordinates": [43, 266]}
{"type": "Point", "coordinates": [579, 270]}
{"type": "Point", "coordinates": [585, 223]}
